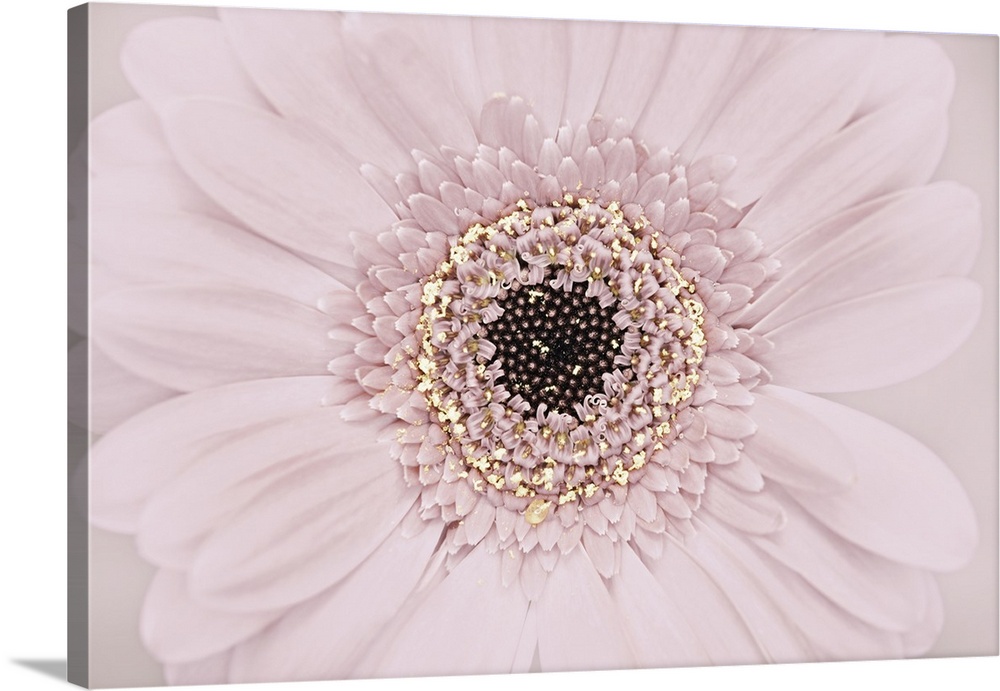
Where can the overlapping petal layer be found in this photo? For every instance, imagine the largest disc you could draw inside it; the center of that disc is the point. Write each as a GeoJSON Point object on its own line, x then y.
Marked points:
{"type": "Point", "coordinates": [268, 224]}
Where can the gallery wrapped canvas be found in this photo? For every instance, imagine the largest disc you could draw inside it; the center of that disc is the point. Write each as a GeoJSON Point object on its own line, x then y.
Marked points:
{"type": "Point", "coordinates": [432, 345]}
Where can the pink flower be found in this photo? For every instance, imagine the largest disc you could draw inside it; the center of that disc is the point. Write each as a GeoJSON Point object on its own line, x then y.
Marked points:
{"type": "Point", "coordinates": [437, 344]}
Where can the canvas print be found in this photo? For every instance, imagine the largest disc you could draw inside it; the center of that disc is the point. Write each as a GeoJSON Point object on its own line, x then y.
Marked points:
{"type": "Point", "coordinates": [435, 345]}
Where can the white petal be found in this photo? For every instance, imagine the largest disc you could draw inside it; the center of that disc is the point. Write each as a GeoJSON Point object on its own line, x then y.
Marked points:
{"type": "Point", "coordinates": [778, 638]}
{"type": "Point", "coordinates": [524, 58]}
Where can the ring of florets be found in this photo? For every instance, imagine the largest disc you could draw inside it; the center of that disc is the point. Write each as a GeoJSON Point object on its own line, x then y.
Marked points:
{"type": "Point", "coordinates": [530, 458]}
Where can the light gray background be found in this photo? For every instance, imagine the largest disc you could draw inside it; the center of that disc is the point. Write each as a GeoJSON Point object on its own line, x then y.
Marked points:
{"type": "Point", "coordinates": [952, 409]}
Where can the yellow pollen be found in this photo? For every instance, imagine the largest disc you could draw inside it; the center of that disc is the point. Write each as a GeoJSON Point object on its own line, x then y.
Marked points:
{"type": "Point", "coordinates": [537, 511]}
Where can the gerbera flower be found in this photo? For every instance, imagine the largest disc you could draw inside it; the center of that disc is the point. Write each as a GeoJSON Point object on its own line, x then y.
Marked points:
{"type": "Point", "coordinates": [441, 345]}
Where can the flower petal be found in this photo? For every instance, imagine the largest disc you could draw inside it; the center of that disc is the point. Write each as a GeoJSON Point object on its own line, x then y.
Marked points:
{"type": "Point", "coordinates": [135, 459]}
{"type": "Point", "coordinates": [882, 338]}
{"type": "Point", "coordinates": [279, 178]}
{"type": "Point", "coordinates": [906, 505]}
{"type": "Point", "coordinates": [211, 670]}
{"type": "Point", "coordinates": [883, 593]}
{"type": "Point", "coordinates": [705, 607]}
{"type": "Point", "coordinates": [185, 56]}
{"type": "Point", "coordinates": [309, 530]}
{"type": "Point", "coordinates": [115, 394]}
{"type": "Point", "coordinates": [469, 623]}
{"type": "Point", "coordinates": [786, 106]}
{"type": "Point", "coordinates": [192, 248]}
{"type": "Point", "coordinates": [297, 59]}
{"type": "Point", "coordinates": [915, 235]}
{"type": "Point", "coordinates": [195, 336]}
{"type": "Point", "coordinates": [832, 632]}
{"type": "Point", "coordinates": [323, 638]}
{"type": "Point", "coordinates": [796, 449]}
{"type": "Point", "coordinates": [235, 473]}
{"type": "Point", "coordinates": [572, 637]}
{"type": "Point", "coordinates": [909, 67]}
{"type": "Point", "coordinates": [777, 639]}
{"type": "Point", "coordinates": [659, 633]}
{"type": "Point", "coordinates": [177, 629]}
{"type": "Point", "coordinates": [893, 148]}
{"type": "Point", "coordinates": [524, 58]}
{"type": "Point", "coordinates": [124, 136]}
{"type": "Point", "coordinates": [402, 84]}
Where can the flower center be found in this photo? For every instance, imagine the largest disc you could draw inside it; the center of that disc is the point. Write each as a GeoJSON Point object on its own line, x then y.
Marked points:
{"type": "Point", "coordinates": [553, 346]}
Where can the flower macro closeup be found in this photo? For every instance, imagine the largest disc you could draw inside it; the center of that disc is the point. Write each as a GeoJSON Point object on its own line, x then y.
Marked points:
{"type": "Point", "coordinates": [444, 345]}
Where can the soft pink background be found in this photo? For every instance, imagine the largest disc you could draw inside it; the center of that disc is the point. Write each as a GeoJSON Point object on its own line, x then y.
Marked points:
{"type": "Point", "coordinates": [953, 409]}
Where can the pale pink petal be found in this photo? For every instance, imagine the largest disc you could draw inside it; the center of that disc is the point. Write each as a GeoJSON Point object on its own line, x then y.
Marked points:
{"type": "Point", "coordinates": [796, 449]}
{"type": "Point", "coordinates": [211, 670]}
{"type": "Point", "coordinates": [697, 75]}
{"type": "Point", "coordinates": [909, 67]}
{"type": "Point", "coordinates": [922, 233]}
{"type": "Point", "coordinates": [324, 638]}
{"type": "Point", "coordinates": [893, 148]}
{"type": "Point", "coordinates": [525, 58]}
{"type": "Point", "coordinates": [191, 248]}
{"type": "Point", "coordinates": [920, 640]}
{"type": "Point", "coordinates": [185, 56]}
{"type": "Point", "coordinates": [752, 512]}
{"type": "Point", "coordinates": [627, 91]}
{"type": "Point", "coordinates": [115, 394]}
{"type": "Point", "coordinates": [469, 623]}
{"type": "Point", "coordinates": [237, 472]}
{"type": "Point", "coordinates": [135, 459]}
{"type": "Point", "coordinates": [124, 136]}
{"type": "Point", "coordinates": [659, 633]}
{"type": "Point", "coordinates": [401, 82]}
{"type": "Point", "coordinates": [880, 592]}
{"type": "Point", "coordinates": [579, 627]}
{"type": "Point", "coordinates": [778, 640]}
{"type": "Point", "coordinates": [177, 629]}
{"type": "Point", "coordinates": [297, 59]}
{"type": "Point", "coordinates": [309, 530]}
{"type": "Point", "coordinates": [905, 505]}
{"type": "Point", "coordinates": [879, 339]}
{"type": "Point", "coordinates": [705, 607]}
{"type": "Point", "coordinates": [282, 180]}
{"type": "Point", "coordinates": [195, 336]}
{"type": "Point", "coordinates": [785, 107]}
{"type": "Point", "coordinates": [592, 48]}
{"type": "Point", "coordinates": [832, 632]}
